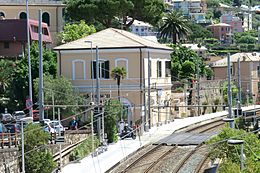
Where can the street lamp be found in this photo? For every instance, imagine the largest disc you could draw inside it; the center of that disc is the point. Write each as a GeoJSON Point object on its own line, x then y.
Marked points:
{"type": "Point", "coordinates": [92, 70]}
{"type": "Point", "coordinates": [239, 142]}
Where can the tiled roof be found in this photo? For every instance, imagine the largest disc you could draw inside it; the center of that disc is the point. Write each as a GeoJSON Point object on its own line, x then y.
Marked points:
{"type": "Point", "coordinates": [112, 38]}
{"type": "Point", "coordinates": [252, 56]}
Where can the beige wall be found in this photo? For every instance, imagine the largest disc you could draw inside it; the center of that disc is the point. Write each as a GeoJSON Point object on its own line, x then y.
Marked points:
{"type": "Point", "coordinates": [131, 88]}
{"type": "Point", "coordinates": [249, 76]}
{"type": "Point", "coordinates": [55, 12]}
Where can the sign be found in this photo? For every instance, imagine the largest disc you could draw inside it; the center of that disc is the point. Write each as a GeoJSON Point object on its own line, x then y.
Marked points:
{"type": "Point", "coordinates": [59, 140]}
{"type": "Point", "coordinates": [29, 103]}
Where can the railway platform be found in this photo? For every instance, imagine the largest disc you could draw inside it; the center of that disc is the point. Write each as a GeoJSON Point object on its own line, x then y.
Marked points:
{"type": "Point", "coordinates": [117, 152]}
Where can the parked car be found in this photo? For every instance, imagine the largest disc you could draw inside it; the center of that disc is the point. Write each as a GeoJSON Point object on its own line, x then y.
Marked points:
{"type": "Point", "coordinates": [18, 115]}
{"type": "Point", "coordinates": [13, 128]}
{"type": "Point", "coordinates": [6, 117]}
{"type": "Point", "coordinates": [57, 126]}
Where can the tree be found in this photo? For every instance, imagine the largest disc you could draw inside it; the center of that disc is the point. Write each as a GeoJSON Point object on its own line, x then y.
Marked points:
{"type": "Point", "coordinates": [106, 11]}
{"type": "Point", "coordinates": [38, 158]}
{"type": "Point", "coordinates": [198, 33]}
{"type": "Point", "coordinates": [175, 26]}
{"type": "Point", "coordinates": [228, 153]}
{"type": "Point", "coordinates": [112, 113]}
{"type": "Point", "coordinates": [18, 89]}
{"type": "Point", "coordinates": [224, 89]}
{"type": "Point", "coordinates": [118, 73]}
{"type": "Point", "coordinates": [60, 89]}
{"type": "Point", "coordinates": [75, 31]}
{"type": "Point", "coordinates": [6, 72]}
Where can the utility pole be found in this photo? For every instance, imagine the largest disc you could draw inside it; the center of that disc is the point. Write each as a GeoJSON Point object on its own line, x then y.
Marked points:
{"type": "Point", "coordinates": [23, 160]}
{"type": "Point", "coordinates": [149, 90]}
{"type": "Point", "coordinates": [229, 93]}
{"type": "Point", "coordinates": [29, 56]}
{"type": "Point", "coordinates": [98, 94]}
{"type": "Point", "coordinates": [198, 88]}
{"type": "Point", "coordinates": [238, 87]}
{"type": "Point", "coordinates": [59, 136]}
{"type": "Point", "coordinates": [41, 110]}
{"type": "Point", "coordinates": [53, 108]}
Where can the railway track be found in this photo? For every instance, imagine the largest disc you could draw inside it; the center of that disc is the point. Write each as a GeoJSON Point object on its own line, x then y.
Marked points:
{"type": "Point", "coordinates": [176, 159]}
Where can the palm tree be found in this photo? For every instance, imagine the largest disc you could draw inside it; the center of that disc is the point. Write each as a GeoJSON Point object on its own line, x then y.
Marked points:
{"type": "Point", "coordinates": [175, 26]}
{"type": "Point", "coordinates": [118, 73]}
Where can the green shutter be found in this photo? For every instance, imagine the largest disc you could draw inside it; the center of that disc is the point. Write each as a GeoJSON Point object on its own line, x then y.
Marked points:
{"type": "Point", "coordinates": [106, 70]}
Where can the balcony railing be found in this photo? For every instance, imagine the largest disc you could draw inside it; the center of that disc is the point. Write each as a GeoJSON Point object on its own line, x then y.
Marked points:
{"type": "Point", "coordinates": [20, 2]}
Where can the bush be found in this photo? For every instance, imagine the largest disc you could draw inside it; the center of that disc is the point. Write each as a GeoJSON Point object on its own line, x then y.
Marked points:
{"type": "Point", "coordinates": [83, 149]}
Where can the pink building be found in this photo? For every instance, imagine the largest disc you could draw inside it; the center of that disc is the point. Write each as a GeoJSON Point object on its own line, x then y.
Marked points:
{"type": "Point", "coordinates": [221, 31]}
{"type": "Point", "coordinates": [235, 22]}
{"type": "Point", "coordinates": [13, 36]}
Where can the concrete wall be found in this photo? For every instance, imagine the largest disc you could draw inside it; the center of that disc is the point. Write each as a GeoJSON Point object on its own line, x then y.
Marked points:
{"type": "Point", "coordinates": [9, 160]}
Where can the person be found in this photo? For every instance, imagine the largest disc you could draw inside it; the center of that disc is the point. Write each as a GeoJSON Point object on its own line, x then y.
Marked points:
{"type": "Point", "coordinates": [73, 124]}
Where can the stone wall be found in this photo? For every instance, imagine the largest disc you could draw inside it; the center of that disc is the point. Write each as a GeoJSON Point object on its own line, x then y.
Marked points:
{"type": "Point", "coordinates": [9, 160]}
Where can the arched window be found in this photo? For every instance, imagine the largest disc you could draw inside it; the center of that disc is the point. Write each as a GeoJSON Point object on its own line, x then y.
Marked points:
{"type": "Point", "coordinates": [122, 62]}
{"type": "Point", "coordinates": [46, 18]}
{"type": "Point", "coordinates": [23, 15]}
{"type": "Point", "coordinates": [78, 70]}
{"type": "Point", "coordinates": [2, 14]}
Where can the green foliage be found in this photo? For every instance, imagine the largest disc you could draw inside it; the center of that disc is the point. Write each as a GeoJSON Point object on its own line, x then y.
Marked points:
{"type": "Point", "coordinates": [248, 39]}
{"type": "Point", "coordinates": [39, 155]}
{"type": "Point", "coordinates": [113, 111]}
{"type": "Point", "coordinates": [6, 71]}
{"type": "Point", "coordinates": [174, 26]}
{"type": "Point", "coordinates": [83, 149]}
{"type": "Point", "coordinates": [105, 12]}
{"type": "Point", "coordinates": [224, 89]}
{"type": "Point", "coordinates": [184, 61]}
{"type": "Point", "coordinates": [75, 31]}
{"type": "Point", "coordinates": [61, 89]}
{"type": "Point", "coordinates": [198, 33]}
{"type": "Point", "coordinates": [208, 73]}
{"type": "Point", "coordinates": [229, 153]}
{"type": "Point", "coordinates": [18, 90]}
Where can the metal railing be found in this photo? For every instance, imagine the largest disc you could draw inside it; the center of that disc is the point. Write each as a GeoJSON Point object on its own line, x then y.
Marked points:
{"type": "Point", "coordinates": [20, 2]}
{"type": "Point", "coordinates": [9, 139]}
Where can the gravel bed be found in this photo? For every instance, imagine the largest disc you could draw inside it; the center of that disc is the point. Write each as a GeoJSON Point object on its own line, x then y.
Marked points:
{"type": "Point", "coordinates": [169, 163]}
{"type": "Point", "coordinates": [131, 159]}
{"type": "Point", "coordinates": [192, 163]}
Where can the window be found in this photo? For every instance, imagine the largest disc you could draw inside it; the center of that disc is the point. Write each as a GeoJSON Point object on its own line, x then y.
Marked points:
{"type": "Point", "coordinates": [258, 71]}
{"type": "Point", "coordinates": [46, 18]}
{"type": "Point", "coordinates": [159, 69]}
{"type": "Point", "coordinates": [23, 15]}
{"type": "Point", "coordinates": [78, 69]}
{"type": "Point", "coordinates": [167, 68]}
{"type": "Point", "coordinates": [258, 85]}
{"type": "Point", "coordinates": [103, 69]}
{"type": "Point", "coordinates": [122, 62]}
{"type": "Point", "coordinates": [45, 31]}
{"type": "Point", "coordinates": [2, 14]}
{"type": "Point", "coordinates": [222, 29]}
{"type": "Point", "coordinates": [6, 45]}
{"type": "Point", "coordinates": [34, 28]}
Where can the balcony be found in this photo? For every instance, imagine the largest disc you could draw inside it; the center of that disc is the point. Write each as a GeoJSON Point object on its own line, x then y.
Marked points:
{"type": "Point", "coordinates": [40, 2]}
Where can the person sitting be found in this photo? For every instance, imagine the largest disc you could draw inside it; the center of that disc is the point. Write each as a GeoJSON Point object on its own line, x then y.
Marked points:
{"type": "Point", "coordinates": [74, 124]}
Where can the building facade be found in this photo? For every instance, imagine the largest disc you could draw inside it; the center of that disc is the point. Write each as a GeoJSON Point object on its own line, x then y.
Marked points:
{"type": "Point", "coordinates": [249, 71]}
{"type": "Point", "coordinates": [13, 36]}
{"type": "Point", "coordinates": [222, 32]}
{"type": "Point", "coordinates": [118, 48]}
{"type": "Point", "coordinates": [235, 22]}
{"type": "Point", "coordinates": [195, 9]}
{"type": "Point", "coordinates": [52, 12]}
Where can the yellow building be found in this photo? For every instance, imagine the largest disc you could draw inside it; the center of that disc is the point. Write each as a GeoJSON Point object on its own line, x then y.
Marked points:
{"type": "Point", "coordinates": [119, 48]}
{"type": "Point", "coordinates": [52, 12]}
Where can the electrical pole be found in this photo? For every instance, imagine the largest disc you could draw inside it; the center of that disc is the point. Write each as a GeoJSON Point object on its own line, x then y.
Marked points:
{"type": "Point", "coordinates": [198, 88]}
{"type": "Point", "coordinates": [229, 93]}
{"type": "Point", "coordinates": [98, 94]}
{"type": "Point", "coordinates": [29, 57]}
{"type": "Point", "coordinates": [41, 110]}
{"type": "Point", "coordinates": [53, 108]}
{"type": "Point", "coordinates": [23, 160]}
{"type": "Point", "coordinates": [149, 90]}
{"type": "Point", "coordinates": [238, 87]}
